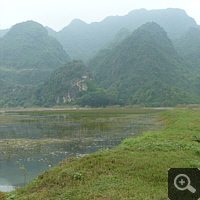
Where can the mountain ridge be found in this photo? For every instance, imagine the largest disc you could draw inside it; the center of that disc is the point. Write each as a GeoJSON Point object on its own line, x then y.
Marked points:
{"type": "Point", "coordinates": [147, 55]}
{"type": "Point", "coordinates": [27, 49]}
{"type": "Point", "coordinates": [85, 42]}
{"type": "Point", "coordinates": [139, 67]}
{"type": "Point", "coordinates": [188, 47]}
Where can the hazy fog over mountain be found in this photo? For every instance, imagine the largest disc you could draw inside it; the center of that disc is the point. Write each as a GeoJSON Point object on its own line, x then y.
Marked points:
{"type": "Point", "coordinates": [81, 40]}
{"type": "Point", "coordinates": [147, 57]}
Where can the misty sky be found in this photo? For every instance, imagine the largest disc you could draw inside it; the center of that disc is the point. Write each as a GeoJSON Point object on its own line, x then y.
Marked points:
{"type": "Point", "coordinates": [59, 13]}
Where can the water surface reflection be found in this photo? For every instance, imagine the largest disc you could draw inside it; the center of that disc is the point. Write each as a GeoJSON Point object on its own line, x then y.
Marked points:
{"type": "Point", "coordinates": [40, 142]}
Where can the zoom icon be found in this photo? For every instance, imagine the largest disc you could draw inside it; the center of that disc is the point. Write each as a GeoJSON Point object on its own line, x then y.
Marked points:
{"type": "Point", "coordinates": [184, 183]}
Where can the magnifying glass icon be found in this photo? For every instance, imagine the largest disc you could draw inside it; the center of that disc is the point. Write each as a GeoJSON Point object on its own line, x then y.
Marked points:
{"type": "Point", "coordinates": [186, 184]}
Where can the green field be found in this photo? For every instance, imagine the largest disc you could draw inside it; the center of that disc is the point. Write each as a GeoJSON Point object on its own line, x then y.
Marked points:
{"type": "Point", "coordinates": [136, 169]}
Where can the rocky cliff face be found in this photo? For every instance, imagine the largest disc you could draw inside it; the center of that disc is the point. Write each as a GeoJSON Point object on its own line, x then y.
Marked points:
{"type": "Point", "coordinates": [63, 85]}
{"type": "Point", "coordinates": [79, 85]}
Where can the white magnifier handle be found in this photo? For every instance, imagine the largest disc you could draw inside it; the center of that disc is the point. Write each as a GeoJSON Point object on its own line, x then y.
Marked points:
{"type": "Point", "coordinates": [191, 189]}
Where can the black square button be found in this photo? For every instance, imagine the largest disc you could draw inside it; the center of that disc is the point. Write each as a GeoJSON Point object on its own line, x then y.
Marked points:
{"type": "Point", "coordinates": [184, 183]}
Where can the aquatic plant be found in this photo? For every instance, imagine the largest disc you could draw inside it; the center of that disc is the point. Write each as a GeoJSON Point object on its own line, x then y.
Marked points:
{"type": "Point", "coordinates": [21, 167]}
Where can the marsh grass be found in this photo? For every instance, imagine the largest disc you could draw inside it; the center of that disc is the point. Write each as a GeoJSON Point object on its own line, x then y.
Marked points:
{"type": "Point", "coordinates": [63, 126]}
{"type": "Point", "coordinates": [136, 169]}
{"type": "Point", "coordinates": [23, 169]}
{"type": "Point", "coordinates": [86, 113]}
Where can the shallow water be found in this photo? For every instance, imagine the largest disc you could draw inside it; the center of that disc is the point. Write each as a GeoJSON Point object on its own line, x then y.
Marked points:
{"type": "Point", "coordinates": [5, 186]}
{"type": "Point", "coordinates": [39, 142]}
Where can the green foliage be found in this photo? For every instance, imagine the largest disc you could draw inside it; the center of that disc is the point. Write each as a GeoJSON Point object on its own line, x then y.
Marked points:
{"type": "Point", "coordinates": [145, 69]}
{"type": "Point", "coordinates": [90, 85]}
{"type": "Point", "coordinates": [60, 84]}
{"type": "Point", "coordinates": [2, 196]}
{"type": "Point", "coordinates": [188, 47]}
{"type": "Point", "coordinates": [23, 169]}
{"type": "Point", "coordinates": [156, 93]}
{"type": "Point", "coordinates": [3, 32]}
{"type": "Point", "coordinates": [12, 95]}
{"type": "Point", "coordinates": [28, 55]}
{"type": "Point", "coordinates": [78, 176]}
{"type": "Point", "coordinates": [96, 98]}
{"type": "Point", "coordinates": [120, 36]}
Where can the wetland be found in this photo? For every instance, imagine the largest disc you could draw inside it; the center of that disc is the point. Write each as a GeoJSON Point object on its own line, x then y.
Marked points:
{"type": "Point", "coordinates": [35, 141]}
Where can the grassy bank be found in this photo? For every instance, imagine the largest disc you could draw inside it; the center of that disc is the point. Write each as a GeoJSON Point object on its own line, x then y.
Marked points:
{"type": "Point", "coordinates": [136, 169]}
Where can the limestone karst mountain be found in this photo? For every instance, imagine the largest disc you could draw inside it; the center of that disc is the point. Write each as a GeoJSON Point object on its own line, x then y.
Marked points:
{"type": "Point", "coordinates": [28, 54]}
{"type": "Point", "coordinates": [82, 41]}
{"type": "Point", "coordinates": [144, 68]}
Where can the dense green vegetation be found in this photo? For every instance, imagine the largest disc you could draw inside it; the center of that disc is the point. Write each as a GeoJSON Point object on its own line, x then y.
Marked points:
{"type": "Point", "coordinates": [136, 169]}
{"type": "Point", "coordinates": [3, 32]}
{"type": "Point", "coordinates": [141, 68]}
{"type": "Point", "coordinates": [61, 88]}
{"type": "Point", "coordinates": [12, 95]}
{"type": "Point", "coordinates": [83, 41]}
{"type": "Point", "coordinates": [145, 69]}
{"type": "Point", "coordinates": [156, 93]}
{"type": "Point", "coordinates": [28, 55]}
{"type": "Point", "coordinates": [60, 85]}
{"type": "Point", "coordinates": [120, 36]}
{"type": "Point", "coordinates": [188, 46]}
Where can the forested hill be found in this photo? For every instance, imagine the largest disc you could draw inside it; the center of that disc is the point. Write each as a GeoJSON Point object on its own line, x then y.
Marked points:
{"type": "Point", "coordinates": [188, 47]}
{"type": "Point", "coordinates": [63, 85]}
{"type": "Point", "coordinates": [71, 84]}
{"type": "Point", "coordinates": [28, 54]}
{"type": "Point", "coordinates": [144, 69]}
{"type": "Point", "coordinates": [3, 32]}
{"type": "Point", "coordinates": [82, 41]}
